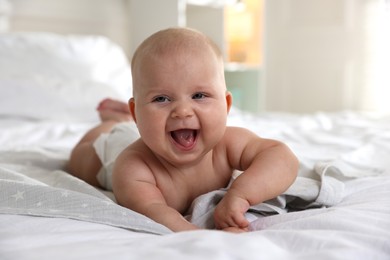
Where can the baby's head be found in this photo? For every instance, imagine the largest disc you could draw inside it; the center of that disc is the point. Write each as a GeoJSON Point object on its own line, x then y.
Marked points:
{"type": "Point", "coordinates": [180, 103]}
{"type": "Point", "coordinates": [169, 43]}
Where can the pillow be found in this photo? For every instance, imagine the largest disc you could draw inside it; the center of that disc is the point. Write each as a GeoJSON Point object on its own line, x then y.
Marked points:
{"type": "Point", "coordinates": [48, 76]}
{"type": "Point", "coordinates": [50, 99]}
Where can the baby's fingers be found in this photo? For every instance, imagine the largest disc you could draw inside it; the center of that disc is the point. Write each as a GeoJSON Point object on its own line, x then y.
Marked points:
{"type": "Point", "coordinates": [236, 230]}
{"type": "Point", "coordinates": [240, 221]}
{"type": "Point", "coordinates": [234, 219]}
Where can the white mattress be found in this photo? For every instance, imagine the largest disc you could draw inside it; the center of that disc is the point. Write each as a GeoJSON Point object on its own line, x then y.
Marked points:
{"type": "Point", "coordinates": [338, 208]}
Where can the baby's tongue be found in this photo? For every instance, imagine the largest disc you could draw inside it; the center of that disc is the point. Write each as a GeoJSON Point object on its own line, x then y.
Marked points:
{"type": "Point", "coordinates": [184, 137]}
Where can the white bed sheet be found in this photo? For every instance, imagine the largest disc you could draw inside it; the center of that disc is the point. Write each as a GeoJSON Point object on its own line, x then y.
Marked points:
{"type": "Point", "coordinates": [355, 148]}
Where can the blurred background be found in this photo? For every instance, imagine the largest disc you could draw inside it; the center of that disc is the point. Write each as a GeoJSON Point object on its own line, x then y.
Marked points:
{"type": "Point", "coordinates": [299, 56]}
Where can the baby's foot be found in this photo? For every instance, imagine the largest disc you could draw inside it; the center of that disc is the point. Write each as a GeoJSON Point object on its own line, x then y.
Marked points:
{"type": "Point", "coordinates": [110, 109]}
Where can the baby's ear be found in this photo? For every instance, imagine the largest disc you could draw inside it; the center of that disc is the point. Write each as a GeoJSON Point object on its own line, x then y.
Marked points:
{"type": "Point", "coordinates": [229, 100]}
{"type": "Point", "coordinates": [132, 108]}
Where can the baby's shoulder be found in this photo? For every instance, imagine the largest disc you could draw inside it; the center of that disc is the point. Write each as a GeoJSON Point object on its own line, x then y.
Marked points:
{"type": "Point", "coordinates": [136, 161]}
{"type": "Point", "coordinates": [231, 137]}
{"type": "Point", "coordinates": [235, 129]}
{"type": "Point", "coordinates": [233, 133]}
{"type": "Point", "coordinates": [236, 139]}
{"type": "Point", "coordinates": [136, 153]}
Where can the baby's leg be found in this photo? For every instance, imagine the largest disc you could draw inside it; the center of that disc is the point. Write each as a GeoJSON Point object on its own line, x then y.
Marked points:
{"type": "Point", "coordinates": [84, 163]}
{"type": "Point", "coordinates": [114, 110]}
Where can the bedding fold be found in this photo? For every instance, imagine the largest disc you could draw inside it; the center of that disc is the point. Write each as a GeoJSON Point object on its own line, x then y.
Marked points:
{"type": "Point", "coordinates": [321, 187]}
{"type": "Point", "coordinates": [35, 191]}
{"type": "Point", "coordinates": [66, 197]}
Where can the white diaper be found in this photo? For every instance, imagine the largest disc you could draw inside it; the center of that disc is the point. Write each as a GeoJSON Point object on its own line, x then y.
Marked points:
{"type": "Point", "coordinates": [109, 145]}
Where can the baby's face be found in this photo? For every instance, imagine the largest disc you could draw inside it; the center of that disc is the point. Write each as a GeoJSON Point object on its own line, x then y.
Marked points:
{"type": "Point", "coordinates": [181, 105]}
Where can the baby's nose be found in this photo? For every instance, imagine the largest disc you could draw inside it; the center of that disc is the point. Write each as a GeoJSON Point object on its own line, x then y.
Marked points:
{"type": "Point", "coordinates": [182, 110]}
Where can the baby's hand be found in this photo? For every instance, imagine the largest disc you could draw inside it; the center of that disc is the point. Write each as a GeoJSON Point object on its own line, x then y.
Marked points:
{"type": "Point", "coordinates": [229, 213]}
{"type": "Point", "coordinates": [236, 230]}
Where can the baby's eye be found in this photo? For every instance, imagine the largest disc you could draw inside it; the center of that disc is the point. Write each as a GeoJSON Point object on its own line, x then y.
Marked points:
{"type": "Point", "coordinates": [160, 99]}
{"type": "Point", "coordinates": [198, 96]}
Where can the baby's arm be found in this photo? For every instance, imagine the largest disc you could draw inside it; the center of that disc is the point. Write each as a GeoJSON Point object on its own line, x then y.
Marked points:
{"type": "Point", "coordinates": [269, 169]}
{"type": "Point", "coordinates": [135, 187]}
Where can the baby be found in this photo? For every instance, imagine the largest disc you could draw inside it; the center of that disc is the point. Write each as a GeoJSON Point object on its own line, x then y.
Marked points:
{"type": "Point", "coordinates": [180, 106]}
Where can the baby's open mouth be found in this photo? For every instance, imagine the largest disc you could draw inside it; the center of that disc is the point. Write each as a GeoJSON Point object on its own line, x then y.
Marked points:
{"type": "Point", "coordinates": [185, 137]}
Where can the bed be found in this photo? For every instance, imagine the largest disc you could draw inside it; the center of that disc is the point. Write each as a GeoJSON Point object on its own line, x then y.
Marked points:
{"type": "Point", "coordinates": [50, 85]}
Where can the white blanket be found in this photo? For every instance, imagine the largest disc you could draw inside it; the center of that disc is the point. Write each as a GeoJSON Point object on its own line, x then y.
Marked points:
{"type": "Point", "coordinates": [33, 190]}
{"type": "Point", "coordinates": [323, 187]}
{"type": "Point", "coordinates": [33, 182]}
